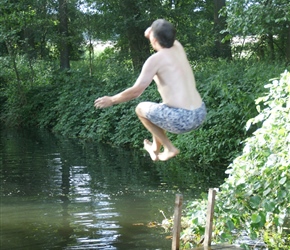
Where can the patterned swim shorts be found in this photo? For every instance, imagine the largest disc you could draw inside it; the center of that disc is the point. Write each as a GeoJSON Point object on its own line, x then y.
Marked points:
{"type": "Point", "coordinates": [176, 120]}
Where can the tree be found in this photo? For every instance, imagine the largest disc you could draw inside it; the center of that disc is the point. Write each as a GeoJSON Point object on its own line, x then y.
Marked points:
{"type": "Point", "coordinates": [64, 35]}
{"type": "Point", "coordinates": [222, 46]}
{"type": "Point", "coordinates": [125, 22]}
{"type": "Point", "coordinates": [12, 24]}
{"type": "Point", "coordinates": [266, 20]}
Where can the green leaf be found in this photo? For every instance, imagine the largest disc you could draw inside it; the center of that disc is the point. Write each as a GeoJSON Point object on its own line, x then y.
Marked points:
{"type": "Point", "coordinates": [267, 191]}
{"type": "Point", "coordinates": [255, 218]}
{"type": "Point", "coordinates": [230, 225]}
{"type": "Point", "coordinates": [282, 194]}
{"type": "Point", "coordinates": [269, 206]}
{"type": "Point", "coordinates": [283, 180]}
{"type": "Point", "coordinates": [255, 201]}
{"type": "Point", "coordinates": [253, 235]}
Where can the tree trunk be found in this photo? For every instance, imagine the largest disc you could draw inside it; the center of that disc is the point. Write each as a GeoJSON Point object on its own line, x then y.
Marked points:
{"type": "Point", "coordinates": [63, 30]}
{"type": "Point", "coordinates": [13, 58]}
{"type": "Point", "coordinates": [222, 49]}
{"type": "Point", "coordinates": [288, 45]}
{"type": "Point", "coordinates": [271, 46]}
{"type": "Point", "coordinates": [91, 55]}
{"type": "Point", "coordinates": [139, 48]}
{"type": "Point", "coordinates": [134, 40]}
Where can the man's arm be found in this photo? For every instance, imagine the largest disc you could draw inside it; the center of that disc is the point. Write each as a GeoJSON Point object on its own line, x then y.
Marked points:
{"type": "Point", "coordinates": [142, 82]}
{"type": "Point", "coordinates": [147, 32]}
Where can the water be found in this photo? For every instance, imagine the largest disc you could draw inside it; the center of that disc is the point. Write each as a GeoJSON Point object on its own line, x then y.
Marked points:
{"type": "Point", "coordinates": [58, 193]}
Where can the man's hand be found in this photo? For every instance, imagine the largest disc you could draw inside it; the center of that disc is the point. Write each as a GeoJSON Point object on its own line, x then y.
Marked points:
{"type": "Point", "coordinates": [103, 102]}
{"type": "Point", "coordinates": [147, 32]}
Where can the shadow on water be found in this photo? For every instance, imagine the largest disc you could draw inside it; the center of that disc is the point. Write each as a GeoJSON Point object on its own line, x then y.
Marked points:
{"type": "Point", "coordinates": [58, 193]}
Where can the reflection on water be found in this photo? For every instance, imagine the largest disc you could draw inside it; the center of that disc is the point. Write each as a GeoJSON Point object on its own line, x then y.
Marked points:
{"type": "Point", "coordinates": [62, 194]}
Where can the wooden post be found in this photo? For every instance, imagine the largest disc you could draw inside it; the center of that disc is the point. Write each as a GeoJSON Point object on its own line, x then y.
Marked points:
{"type": "Point", "coordinates": [209, 217]}
{"type": "Point", "coordinates": [177, 222]}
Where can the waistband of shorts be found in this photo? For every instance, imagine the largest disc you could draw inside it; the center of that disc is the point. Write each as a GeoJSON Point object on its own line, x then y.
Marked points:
{"type": "Point", "coordinates": [202, 106]}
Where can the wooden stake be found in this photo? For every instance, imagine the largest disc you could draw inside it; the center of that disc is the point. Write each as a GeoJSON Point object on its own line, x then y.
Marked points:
{"type": "Point", "coordinates": [177, 222]}
{"type": "Point", "coordinates": [209, 217]}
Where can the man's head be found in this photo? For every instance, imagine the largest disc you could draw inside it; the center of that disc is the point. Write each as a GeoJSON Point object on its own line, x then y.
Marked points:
{"type": "Point", "coordinates": [164, 32]}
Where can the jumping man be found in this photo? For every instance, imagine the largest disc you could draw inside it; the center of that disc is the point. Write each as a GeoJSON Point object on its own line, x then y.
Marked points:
{"type": "Point", "coordinates": [182, 108]}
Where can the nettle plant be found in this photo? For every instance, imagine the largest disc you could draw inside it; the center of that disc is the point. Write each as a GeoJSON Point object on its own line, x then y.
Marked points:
{"type": "Point", "coordinates": [255, 197]}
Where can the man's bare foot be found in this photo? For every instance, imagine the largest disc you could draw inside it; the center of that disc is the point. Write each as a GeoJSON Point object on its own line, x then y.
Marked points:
{"type": "Point", "coordinates": [166, 155]}
{"type": "Point", "coordinates": [149, 149]}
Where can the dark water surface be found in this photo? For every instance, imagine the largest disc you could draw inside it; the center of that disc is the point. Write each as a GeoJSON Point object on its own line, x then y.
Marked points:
{"type": "Point", "coordinates": [58, 193]}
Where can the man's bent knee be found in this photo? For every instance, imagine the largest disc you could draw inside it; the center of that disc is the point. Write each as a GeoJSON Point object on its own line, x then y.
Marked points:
{"type": "Point", "coordinates": [138, 109]}
{"type": "Point", "coordinates": [142, 109]}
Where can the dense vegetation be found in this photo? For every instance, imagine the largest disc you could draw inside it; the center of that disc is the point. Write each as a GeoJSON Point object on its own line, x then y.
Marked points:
{"type": "Point", "coordinates": [51, 72]}
{"type": "Point", "coordinates": [254, 198]}
{"type": "Point", "coordinates": [65, 105]}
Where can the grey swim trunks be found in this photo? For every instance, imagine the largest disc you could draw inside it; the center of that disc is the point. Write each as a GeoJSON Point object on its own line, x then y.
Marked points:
{"type": "Point", "coordinates": [176, 120]}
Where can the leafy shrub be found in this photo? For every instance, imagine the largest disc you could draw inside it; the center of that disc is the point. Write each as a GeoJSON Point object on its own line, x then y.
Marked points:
{"type": "Point", "coordinates": [229, 90]}
{"type": "Point", "coordinates": [255, 197]}
{"type": "Point", "coordinates": [63, 102]}
{"type": "Point", "coordinates": [18, 90]}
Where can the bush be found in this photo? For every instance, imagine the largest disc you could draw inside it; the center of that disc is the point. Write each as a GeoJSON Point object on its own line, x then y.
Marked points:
{"type": "Point", "coordinates": [255, 197]}
{"type": "Point", "coordinates": [229, 90]}
{"type": "Point", "coordinates": [18, 89]}
{"type": "Point", "coordinates": [63, 102]}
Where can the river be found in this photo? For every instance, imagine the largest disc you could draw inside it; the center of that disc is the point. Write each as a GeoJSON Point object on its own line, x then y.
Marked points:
{"type": "Point", "coordinates": [60, 193]}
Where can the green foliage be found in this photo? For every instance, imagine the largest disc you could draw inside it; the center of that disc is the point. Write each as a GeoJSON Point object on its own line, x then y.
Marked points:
{"type": "Point", "coordinates": [16, 109]}
{"type": "Point", "coordinates": [266, 21]}
{"type": "Point", "coordinates": [229, 90]}
{"type": "Point", "coordinates": [63, 102]}
{"type": "Point", "coordinates": [247, 17]}
{"type": "Point", "coordinates": [115, 21]}
{"type": "Point", "coordinates": [255, 198]}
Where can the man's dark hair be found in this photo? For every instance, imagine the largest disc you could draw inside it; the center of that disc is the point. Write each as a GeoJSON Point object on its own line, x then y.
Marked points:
{"type": "Point", "coordinates": [164, 32]}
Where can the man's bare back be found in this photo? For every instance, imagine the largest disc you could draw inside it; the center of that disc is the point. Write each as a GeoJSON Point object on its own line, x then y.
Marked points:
{"type": "Point", "coordinates": [175, 79]}
{"type": "Point", "coordinates": [182, 109]}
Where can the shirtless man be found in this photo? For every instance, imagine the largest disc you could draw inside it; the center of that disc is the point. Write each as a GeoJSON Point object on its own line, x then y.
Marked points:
{"type": "Point", "coordinates": [182, 108]}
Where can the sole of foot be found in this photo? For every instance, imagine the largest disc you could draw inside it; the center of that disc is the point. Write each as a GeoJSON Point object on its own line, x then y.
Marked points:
{"type": "Point", "coordinates": [148, 148]}
{"type": "Point", "coordinates": [167, 155]}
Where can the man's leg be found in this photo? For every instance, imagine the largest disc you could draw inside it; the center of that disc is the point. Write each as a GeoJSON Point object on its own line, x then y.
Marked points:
{"type": "Point", "coordinates": [158, 134]}
{"type": "Point", "coordinates": [155, 144]}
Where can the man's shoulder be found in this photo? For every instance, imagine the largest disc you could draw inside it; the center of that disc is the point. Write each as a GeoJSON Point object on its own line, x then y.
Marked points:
{"type": "Point", "coordinates": [156, 57]}
{"type": "Point", "coordinates": [152, 62]}
{"type": "Point", "coordinates": [178, 46]}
